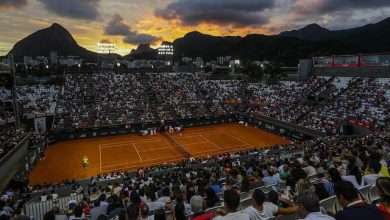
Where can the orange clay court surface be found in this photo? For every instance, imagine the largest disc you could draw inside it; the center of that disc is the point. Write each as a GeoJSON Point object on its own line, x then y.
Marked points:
{"type": "Point", "coordinates": [128, 152]}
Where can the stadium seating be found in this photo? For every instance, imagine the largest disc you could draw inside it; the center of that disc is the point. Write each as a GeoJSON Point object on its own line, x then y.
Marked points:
{"type": "Point", "coordinates": [107, 99]}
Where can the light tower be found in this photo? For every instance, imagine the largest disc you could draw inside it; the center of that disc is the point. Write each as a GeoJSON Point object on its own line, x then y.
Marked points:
{"type": "Point", "coordinates": [104, 50]}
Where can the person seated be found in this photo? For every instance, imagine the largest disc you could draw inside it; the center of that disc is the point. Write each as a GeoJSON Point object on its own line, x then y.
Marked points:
{"type": "Point", "coordinates": [309, 207]}
{"type": "Point", "coordinates": [374, 168]}
{"type": "Point", "coordinates": [232, 202]}
{"type": "Point", "coordinates": [198, 207]}
{"type": "Point", "coordinates": [383, 189]}
{"type": "Point", "coordinates": [261, 210]}
{"type": "Point", "coordinates": [354, 207]}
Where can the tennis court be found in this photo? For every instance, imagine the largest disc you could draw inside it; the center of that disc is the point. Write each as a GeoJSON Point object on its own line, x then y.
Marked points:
{"type": "Point", "coordinates": [128, 152]}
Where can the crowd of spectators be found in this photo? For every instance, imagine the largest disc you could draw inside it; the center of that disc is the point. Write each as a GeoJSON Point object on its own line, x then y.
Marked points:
{"type": "Point", "coordinates": [9, 138]}
{"type": "Point", "coordinates": [339, 166]}
{"type": "Point", "coordinates": [34, 101]}
{"type": "Point", "coordinates": [101, 99]}
{"type": "Point", "coordinates": [365, 100]}
{"type": "Point", "coordinates": [284, 101]}
{"type": "Point", "coordinates": [106, 98]}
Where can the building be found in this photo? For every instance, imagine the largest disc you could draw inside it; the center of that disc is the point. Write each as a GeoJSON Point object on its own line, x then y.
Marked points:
{"type": "Point", "coordinates": [199, 62]}
{"type": "Point", "coordinates": [43, 60]}
{"type": "Point", "coordinates": [4, 60]}
{"type": "Point", "coordinates": [223, 60]}
{"type": "Point", "coordinates": [27, 60]}
{"type": "Point", "coordinates": [53, 58]}
{"type": "Point", "coordinates": [71, 61]}
{"type": "Point", "coordinates": [186, 60]}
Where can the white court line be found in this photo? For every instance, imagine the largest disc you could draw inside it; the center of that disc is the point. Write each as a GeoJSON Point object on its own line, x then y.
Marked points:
{"type": "Point", "coordinates": [196, 134]}
{"type": "Point", "coordinates": [100, 156]}
{"type": "Point", "coordinates": [237, 139]}
{"type": "Point", "coordinates": [223, 148]}
{"type": "Point", "coordinates": [143, 165]}
{"type": "Point", "coordinates": [135, 148]}
{"type": "Point", "coordinates": [130, 141]}
{"type": "Point", "coordinates": [209, 142]}
{"type": "Point", "coordinates": [171, 147]}
{"type": "Point", "coordinates": [121, 164]}
{"type": "Point", "coordinates": [211, 153]}
{"type": "Point", "coordinates": [202, 142]}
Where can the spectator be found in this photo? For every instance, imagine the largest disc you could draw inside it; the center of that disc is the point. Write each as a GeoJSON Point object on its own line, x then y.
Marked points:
{"type": "Point", "coordinates": [198, 206]}
{"type": "Point", "coordinates": [153, 204]}
{"type": "Point", "coordinates": [354, 207]}
{"type": "Point", "coordinates": [232, 201]}
{"type": "Point", "coordinates": [211, 198]}
{"type": "Point", "coordinates": [145, 213]}
{"type": "Point", "coordinates": [309, 207]}
{"type": "Point", "coordinates": [77, 213]}
{"type": "Point", "coordinates": [159, 215]}
{"type": "Point", "coordinates": [179, 211]}
{"type": "Point", "coordinates": [333, 178]}
{"type": "Point", "coordinates": [383, 189]}
{"type": "Point", "coordinates": [132, 212]}
{"type": "Point", "coordinates": [271, 179]}
{"type": "Point", "coordinates": [374, 169]}
{"type": "Point", "coordinates": [97, 210]}
{"type": "Point", "coordinates": [165, 196]}
{"type": "Point", "coordinates": [261, 210]}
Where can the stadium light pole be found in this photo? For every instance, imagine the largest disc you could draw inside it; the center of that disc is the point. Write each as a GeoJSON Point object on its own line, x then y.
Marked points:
{"type": "Point", "coordinates": [79, 68]}
{"type": "Point", "coordinates": [14, 92]}
{"type": "Point", "coordinates": [118, 65]}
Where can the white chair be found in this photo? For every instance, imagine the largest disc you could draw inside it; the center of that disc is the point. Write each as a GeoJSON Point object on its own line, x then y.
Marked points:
{"type": "Point", "coordinates": [373, 194]}
{"type": "Point", "coordinates": [245, 195]}
{"type": "Point", "coordinates": [245, 203]}
{"type": "Point", "coordinates": [365, 191]}
{"type": "Point", "coordinates": [215, 208]}
{"type": "Point", "coordinates": [286, 217]}
{"type": "Point", "coordinates": [329, 204]}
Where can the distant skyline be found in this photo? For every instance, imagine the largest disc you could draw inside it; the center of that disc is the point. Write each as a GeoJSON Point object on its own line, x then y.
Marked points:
{"type": "Point", "coordinates": [128, 23]}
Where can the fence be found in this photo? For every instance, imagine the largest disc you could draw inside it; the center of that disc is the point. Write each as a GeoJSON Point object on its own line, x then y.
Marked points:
{"type": "Point", "coordinates": [38, 209]}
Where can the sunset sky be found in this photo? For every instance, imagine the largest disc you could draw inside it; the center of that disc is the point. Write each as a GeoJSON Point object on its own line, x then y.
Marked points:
{"type": "Point", "coordinates": [128, 23]}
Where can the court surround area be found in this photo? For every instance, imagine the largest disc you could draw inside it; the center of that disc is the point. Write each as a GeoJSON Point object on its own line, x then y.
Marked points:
{"type": "Point", "coordinates": [129, 152]}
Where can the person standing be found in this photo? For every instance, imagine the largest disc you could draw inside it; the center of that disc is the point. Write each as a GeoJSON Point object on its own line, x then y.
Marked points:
{"type": "Point", "coordinates": [85, 162]}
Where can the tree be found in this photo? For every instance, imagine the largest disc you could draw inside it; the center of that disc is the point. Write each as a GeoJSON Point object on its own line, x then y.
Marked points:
{"type": "Point", "coordinates": [252, 71]}
{"type": "Point", "coordinates": [274, 72]}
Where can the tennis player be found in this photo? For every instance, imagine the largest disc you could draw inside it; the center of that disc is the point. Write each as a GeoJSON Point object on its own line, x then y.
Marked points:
{"type": "Point", "coordinates": [85, 162]}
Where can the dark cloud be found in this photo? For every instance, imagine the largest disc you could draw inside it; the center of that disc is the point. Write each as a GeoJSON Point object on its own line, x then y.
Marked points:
{"type": "Point", "coordinates": [141, 39]}
{"type": "Point", "coordinates": [118, 26]}
{"type": "Point", "coordinates": [328, 6]}
{"type": "Point", "coordinates": [236, 13]}
{"type": "Point", "coordinates": [78, 9]}
{"type": "Point", "coordinates": [12, 3]}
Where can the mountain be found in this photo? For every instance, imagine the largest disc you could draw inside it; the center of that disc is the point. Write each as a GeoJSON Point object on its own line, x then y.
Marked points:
{"type": "Point", "coordinates": [287, 47]}
{"type": "Point", "coordinates": [195, 44]}
{"type": "Point", "coordinates": [287, 50]}
{"type": "Point", "coordinates": [143, 51]}
{"type": "Point", "coordinates": [53, 38]}
{"type": "Point", "coordinates": [370, 37]}
{"type": "Point", "coordinates": [311, 32]}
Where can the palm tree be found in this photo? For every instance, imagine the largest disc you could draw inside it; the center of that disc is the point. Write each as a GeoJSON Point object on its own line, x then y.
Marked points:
{"type": "Point", "coordinates": [275, 73]}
